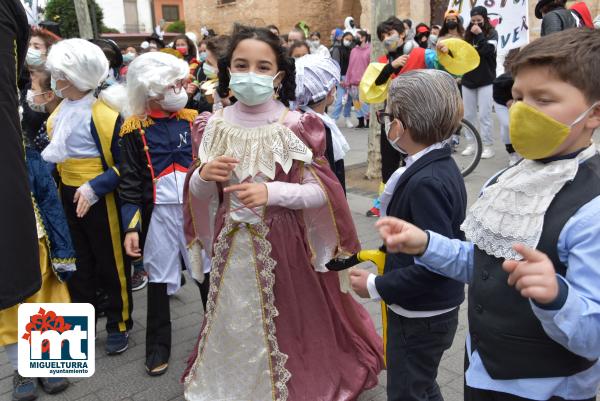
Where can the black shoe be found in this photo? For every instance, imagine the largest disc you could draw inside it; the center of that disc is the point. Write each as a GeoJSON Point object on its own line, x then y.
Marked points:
{"type": "Point", "coordinates": [367, 122]}
{"type": "Point", "coordinates": [361, 122]}
{"type": "Point", "coordinates": [24, 388]}
{"type": "Point", "coordinates": [54, 385]}
{"type": "Point", "coordinates": [116, 343]}
{"type": "Point", "coordinates": [157, 363]}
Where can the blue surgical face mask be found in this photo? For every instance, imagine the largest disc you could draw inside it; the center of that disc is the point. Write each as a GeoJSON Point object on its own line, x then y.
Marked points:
{"type": "Point", "coordinates": [128, 57]}
{"type": "Point", "coordinates": [34, 57]}
{"type": "Point", "coordinates": [57, 92]}
{"type": "Point", "coordinates": [202, 56]}
{"type": "Point", "coordinates": [209, 71]}
{"type": "Point", "coordinates": [252, 89]}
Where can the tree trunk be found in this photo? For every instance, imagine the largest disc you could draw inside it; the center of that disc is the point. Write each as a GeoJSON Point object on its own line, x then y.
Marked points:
{"type": "Point", "coordinates": [438, 8]}
{"type": "Point", "coordinates": [380, 11]}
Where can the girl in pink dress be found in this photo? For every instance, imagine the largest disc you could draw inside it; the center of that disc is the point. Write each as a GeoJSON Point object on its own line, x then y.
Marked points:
{"type": "Point", "coordinates": [278, 325]}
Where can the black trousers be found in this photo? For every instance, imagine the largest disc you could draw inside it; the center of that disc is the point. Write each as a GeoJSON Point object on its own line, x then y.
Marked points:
{"type": "Point", "coordinates": [158, 326]}
{"type": "Point", "coordinates": [101, 260]}
{"type": "Point", "coordinates": [475, 394]}
{"type": "Point", "coordinates": [414, 351]}
{"type": "Point", "coordinates": [204, 288]}
{"type": "Point", "coordinates": [390, 157]}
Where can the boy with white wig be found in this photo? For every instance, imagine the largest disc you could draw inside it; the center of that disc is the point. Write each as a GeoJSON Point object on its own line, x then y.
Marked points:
{"type": "Point", "coordinates": [157, 150]}
{"type": "Point", "coordinates": [316, 81]}
{"type": "Point", "coordinates": [84, 145]}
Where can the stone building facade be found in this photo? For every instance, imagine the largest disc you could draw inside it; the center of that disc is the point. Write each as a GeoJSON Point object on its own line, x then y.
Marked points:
{"type": "Point", "coordinates": [320, 15]}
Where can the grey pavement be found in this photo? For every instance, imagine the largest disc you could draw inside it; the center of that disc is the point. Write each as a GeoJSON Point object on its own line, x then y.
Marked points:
{"type": "Point", "coordinates": [124, 378]}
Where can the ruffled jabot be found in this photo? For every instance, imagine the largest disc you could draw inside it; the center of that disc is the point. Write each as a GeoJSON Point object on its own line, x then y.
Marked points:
{"type": "Point", "coordinates": [512, 210]}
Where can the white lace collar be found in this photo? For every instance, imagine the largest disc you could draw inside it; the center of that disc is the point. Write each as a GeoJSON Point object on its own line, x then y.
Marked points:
{"type": "Point", "coordinates": [258, 149]}
{"type": "Point", "coordinates": [512, 210]}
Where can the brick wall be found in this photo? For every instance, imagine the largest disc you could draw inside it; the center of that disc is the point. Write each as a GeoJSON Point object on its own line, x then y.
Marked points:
{"type": "Point", "coordinates": [320, 15]}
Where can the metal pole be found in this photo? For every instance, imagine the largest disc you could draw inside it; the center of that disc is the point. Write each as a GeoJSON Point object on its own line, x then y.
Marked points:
{"type": "Point", "coordinates": [83, 19]}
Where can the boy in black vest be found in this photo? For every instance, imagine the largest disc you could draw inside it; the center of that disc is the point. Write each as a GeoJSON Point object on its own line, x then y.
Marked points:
{"type": "Point", "coordinates": [424, 109]}
{"type": "Point", "coordinates": [532, 259]}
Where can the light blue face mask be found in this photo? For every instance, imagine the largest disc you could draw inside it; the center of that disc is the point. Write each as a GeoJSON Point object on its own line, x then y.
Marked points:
{"type": "Point", "coordinates": [209, 71]}
{"type": "Point", "coordinates": [202, 56]}
{"type": "Point", "coordinates": [252, 89]}
{"type": "Point", "coordinates": [57, 92]}
{"type": "Point", "coordinates": [128, 57]}
{"type": "Point", "coordinates": [34, 57]}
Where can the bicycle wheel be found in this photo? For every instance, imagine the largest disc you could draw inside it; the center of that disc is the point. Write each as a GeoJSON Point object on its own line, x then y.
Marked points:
{"type": "Point", "coordinates": [466, 147]}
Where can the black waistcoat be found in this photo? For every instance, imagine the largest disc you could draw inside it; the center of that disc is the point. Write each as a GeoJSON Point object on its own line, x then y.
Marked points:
{"type": "Point", "coordinates": [508, 336]}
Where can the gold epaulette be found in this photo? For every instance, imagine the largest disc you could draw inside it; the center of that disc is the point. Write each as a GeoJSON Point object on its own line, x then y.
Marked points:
{"type": "Point", "coordinates": [187, 114]}
{"type": "Point", "coordinates": [134, 123]}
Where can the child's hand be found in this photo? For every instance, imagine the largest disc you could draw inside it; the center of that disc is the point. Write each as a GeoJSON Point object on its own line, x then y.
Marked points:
{"type": "Point", "coordinates": [132, 244]}
{"type": "Point", "coordinates": [83, 204]}
{"type": "Point", "coordinates": [218, 170]}
{"type": "Point", "coordinates": [191, 89]}
{"type": "Point", "coordinates": [400, 61]}
{"type": "Point", "coordinates": [476, 30]}
{"type": "Point", "coordinates": [441, 47]}
{"type": "Point", "coordinates": [400, 236]}
{"type": "Point", "coordinates": [534, 276]}
{"type": "Point", "coordinates": [358, 281]}
{"type": "Point", "coordinates": [251, 195]}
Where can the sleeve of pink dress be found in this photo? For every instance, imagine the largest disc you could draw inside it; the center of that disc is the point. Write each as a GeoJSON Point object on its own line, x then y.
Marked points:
{"type": "Point", "coordinates": [331, 231]}
{"type": "Point", "coordinates": [307, 195]}
{"type": "Point", "coordinates": [197, 217]}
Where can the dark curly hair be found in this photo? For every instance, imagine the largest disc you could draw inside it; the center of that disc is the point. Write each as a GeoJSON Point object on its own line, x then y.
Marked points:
{"type": "Point", "coordinates": [284, 63]}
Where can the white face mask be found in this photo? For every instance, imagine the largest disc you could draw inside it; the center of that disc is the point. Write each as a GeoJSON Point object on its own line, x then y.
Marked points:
{"type": "Point", "coordinates": [40, 108]}
{"type": "Point", "coordinates": [58, 92]}
{"type": "Point", "coordinates": [174, 101]}
{"type": "Point", "coordinates": [394, 143]}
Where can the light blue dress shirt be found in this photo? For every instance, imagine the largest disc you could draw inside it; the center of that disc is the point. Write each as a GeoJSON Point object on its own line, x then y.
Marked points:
{"type": "Point", "coordinates": [576, 325]}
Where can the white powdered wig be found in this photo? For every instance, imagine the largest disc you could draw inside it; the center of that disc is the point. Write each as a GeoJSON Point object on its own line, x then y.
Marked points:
{"type": "Point", "coordinates": [149, 75]}
{"type": "Point", "coordinates": [78, 61]}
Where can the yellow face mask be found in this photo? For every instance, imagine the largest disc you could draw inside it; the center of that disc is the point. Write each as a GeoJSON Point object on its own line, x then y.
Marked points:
{"type": "Point", "coordinates": [536, 135]}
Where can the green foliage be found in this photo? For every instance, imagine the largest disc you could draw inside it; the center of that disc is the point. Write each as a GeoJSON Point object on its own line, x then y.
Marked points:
{"type": "Point", "coordinates": [63, 13]}
{"type": "Point", "coordinates": [106, 29]}
{"type": "Point", "coordinates": [176, 27]}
